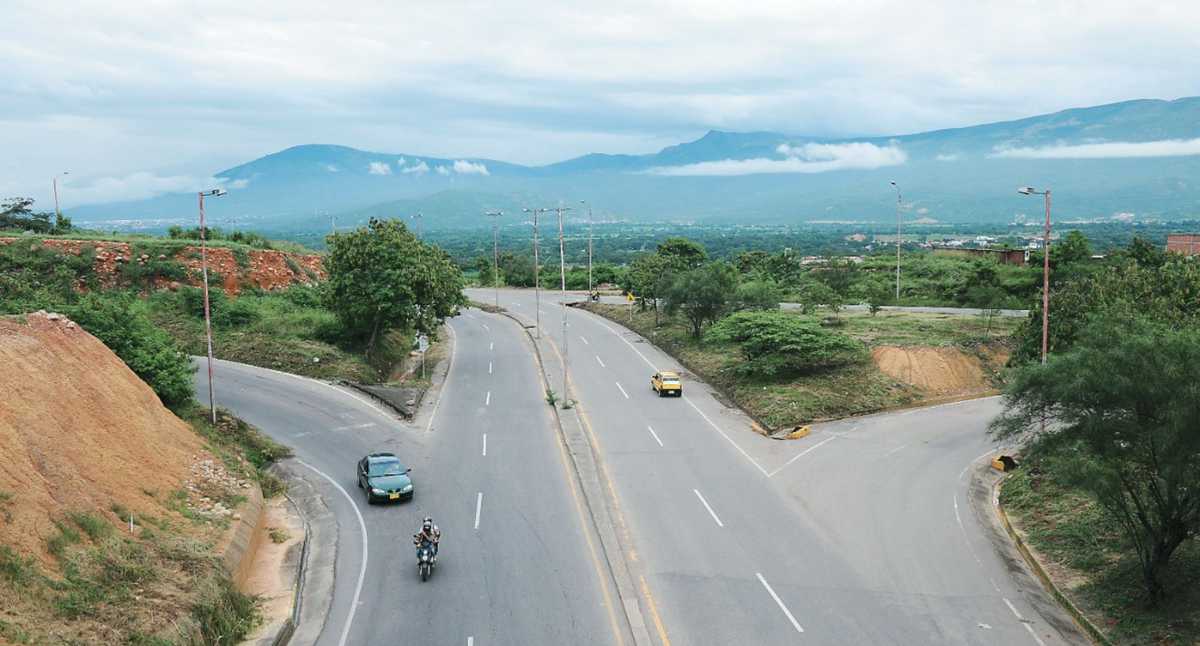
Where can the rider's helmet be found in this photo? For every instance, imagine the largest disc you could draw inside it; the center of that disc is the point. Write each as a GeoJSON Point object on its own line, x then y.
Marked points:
{"type": "Point", "coordinates": [427, 524]}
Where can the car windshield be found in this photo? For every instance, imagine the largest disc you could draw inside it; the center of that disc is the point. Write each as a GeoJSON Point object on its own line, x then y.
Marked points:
{"type": "Point", "coordinates": [670, 380]}
{"type": "Point", "coordinates": [386, 468]}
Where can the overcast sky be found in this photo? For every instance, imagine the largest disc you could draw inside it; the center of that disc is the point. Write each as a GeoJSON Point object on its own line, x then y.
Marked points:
{"type": "Point", "coordinates": [135, 100]}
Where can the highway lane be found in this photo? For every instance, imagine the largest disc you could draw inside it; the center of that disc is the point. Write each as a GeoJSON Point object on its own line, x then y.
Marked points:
{"type": "Point", "coordinates": [519, 564]}
{"type": "Point", "coordinates": [861, 533]}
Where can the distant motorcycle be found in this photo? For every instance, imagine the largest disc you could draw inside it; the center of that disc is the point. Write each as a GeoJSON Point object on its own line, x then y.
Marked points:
{"type": "Point", "coordinates": [595, 296]}
{"type": "Point", "coordinates": [425, 561]}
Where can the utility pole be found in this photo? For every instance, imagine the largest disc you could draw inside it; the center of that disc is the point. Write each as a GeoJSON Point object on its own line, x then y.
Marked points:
{"type": "Point", "coordinates": [537, 271]}
{"type": "Point", "coordinates": [897, 242]}
{"type": "Point", "coordinates": [495, 215]}
{"type": "Point", "coordinates": [1029, 190]}
{"type": "Point", "coordinates": [562, 272]}
{"type": "Point", "coordinates": [589, 247]}
{"type": "Point", "coordinates": [57, 210]}
{"type": "Point", "coordinates": [212, 402]}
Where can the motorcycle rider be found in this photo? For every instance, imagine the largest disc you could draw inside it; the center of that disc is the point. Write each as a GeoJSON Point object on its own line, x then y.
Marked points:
{"type": "Point", "coordinates": [429, 534]}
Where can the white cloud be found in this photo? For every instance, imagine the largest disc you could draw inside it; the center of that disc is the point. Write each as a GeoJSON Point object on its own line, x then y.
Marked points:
{"type": "Point", "coordinates": [139, 186]}
{"type": "Point", "coordinates": [807, 158]}
{"type": "Point", "coordinates": [1162, 148]}
{"type": "Point", "coordinates": [948, 157]}
{"type": "Point", "coordinates": [463, 167]}
{"type": "Point", "coordinates": [235, 184]}
{"type": "Point", "coordinates": [331, 168]}
{"type": "Point", "coordinates": [419, 168]}
{"type": "Point", "coordinates": [379, 168]}
{"type": "Point", "coordinates": [442, 170]}
{"type": "Point", "coordinates": [401, 162]}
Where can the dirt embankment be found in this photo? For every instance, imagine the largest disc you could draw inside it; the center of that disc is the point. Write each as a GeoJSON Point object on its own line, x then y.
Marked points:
{"type": "Point", "coordinates": [260, 268]}
{"type": "Point", "coordinates": [78, 432]}
{"type": "Point", "coordinates": [941, 372]}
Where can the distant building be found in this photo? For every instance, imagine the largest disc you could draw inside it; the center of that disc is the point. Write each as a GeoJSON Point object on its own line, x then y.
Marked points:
{"type": "Point", "coordinates": [1017, 257]}
{"type": "Point", "coordinates": [1187, 244]}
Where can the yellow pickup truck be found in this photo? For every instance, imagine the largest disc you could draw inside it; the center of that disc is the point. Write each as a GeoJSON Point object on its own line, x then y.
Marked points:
{"type": "Point", "coordinates": [667, 383]}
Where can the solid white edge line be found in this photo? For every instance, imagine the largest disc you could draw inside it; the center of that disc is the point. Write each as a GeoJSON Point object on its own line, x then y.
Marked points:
{"type": "Point", "coordinates": [779, 602]}
{"type": "Point", "coordinates": [445, 381]}
{"type": "Point", "coordinates": [802, 454]}
{"type": "Point", "coordinates": [622, 389]}
{"type": "Point", "coordinates": [730, 439]}
{"type": "Point", "coordinates": [488, 401]}
{"type": "Point", "coordinates": [709, 508]}
{"type": "Point", "coordinates": [478, 508]}
{"type": "Point", "coordinates": [651, 429]}
{"type": "Point", "coordinates": [362, 570]}
{"type": "Point", "coordinates": [600, 361]}
{"type": "Point", "coordinates": [956, 516]}
{"type": "Point", "coordinates": [344, 393]}
{"type": "Point", "coordinates": [485, 445]}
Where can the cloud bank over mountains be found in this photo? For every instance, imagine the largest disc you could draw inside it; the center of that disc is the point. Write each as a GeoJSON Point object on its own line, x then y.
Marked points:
{"type": "Point", "coordinates": [805, 158]}
{"type": "Point", "coordinates": [1107, 150]}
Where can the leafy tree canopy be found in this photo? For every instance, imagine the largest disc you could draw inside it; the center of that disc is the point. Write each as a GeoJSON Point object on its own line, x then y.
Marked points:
{"type": "Point", "coordinates": [703, 294]}
{"type": "Point", "coordinates": [781, 344]}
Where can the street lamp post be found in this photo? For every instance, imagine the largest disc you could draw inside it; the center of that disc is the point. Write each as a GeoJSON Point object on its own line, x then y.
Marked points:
{"type": "Point", "coordinates": [495, 215]}
{"type": "Point", "coordinates": [57, 210]}
{"type": "Point", "coordinates": [897, 186]}
{"type": "Point", "coordinates": [589, 246]}
{"type": "Point", "coordinates": [537, 271]}
{"type": "Point", "coordinates": [212, 402]}
{"type": "Point", "coordinates": [1029, 190]}
{"type": "Point", "coordinates": [562, 273]}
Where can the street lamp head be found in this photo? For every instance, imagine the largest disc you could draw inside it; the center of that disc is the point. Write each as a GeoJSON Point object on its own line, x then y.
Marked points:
{"type": "Point", "coordinates": [893, 182]}
{"type": "Point", "coordinates": [1027, 190]}
{"type": "Point", "coordinates": [216, 192]}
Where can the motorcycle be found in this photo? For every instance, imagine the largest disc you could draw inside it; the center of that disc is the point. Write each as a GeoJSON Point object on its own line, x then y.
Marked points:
{"type": "Point", "coordinates": [425, 561]}
{"type": "Point", "coordinates": [595, 297]}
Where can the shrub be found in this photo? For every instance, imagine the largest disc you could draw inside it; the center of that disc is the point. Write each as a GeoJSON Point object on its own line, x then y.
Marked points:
{"type": "Point", "coordinates": [148, 351]}
{"type": "Point", "coordinates": [779, 344]}
{"type": "Point", "coordinates": [757, 295]}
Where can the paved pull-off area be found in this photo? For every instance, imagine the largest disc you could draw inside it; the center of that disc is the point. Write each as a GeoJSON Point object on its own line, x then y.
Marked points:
{"type": "Point", "coordinates": [868, 531]}
{"type": "Point", "coordinates": [518, 562]}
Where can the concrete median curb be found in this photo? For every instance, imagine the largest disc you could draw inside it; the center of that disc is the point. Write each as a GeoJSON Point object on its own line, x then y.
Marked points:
{"type": "Point", "coordinates": [1082, 621]}
{"type": "Point", "coordinates": [590, 478]}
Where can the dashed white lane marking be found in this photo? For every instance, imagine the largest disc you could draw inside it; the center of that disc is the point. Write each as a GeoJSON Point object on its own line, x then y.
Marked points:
{"type": "Point", "coordinates": [489, 367]}
{"type": "Point", "coordinates": [354, 426]}
{"type": "Point", "coordinates": [651, 429]}
{"type": "Point", "coordinates": [600, 361]}
{"type": "Point", "coordinates": [895, 450]}
{"type": "Point", "coordinates": [621, 389]}
{"type": "Point", "coordinates": [709, 508]}
{"type": "Point", "coordinates": [779, 602]}
{"type": "Point", "coordinates": [470, 641]}
{"type": "Point", "coordinates": [491, 346]}
{"type": "Point", "coordinates": [584, 339]}
{"type": "Point", "coordinates": [478, 508]}
{"type": "Point", "coordinates": [485, 444]}
{"type": "Point", "coordinates": [801, 454]}
{"type": "Point", "coordinates": [362, 570]}
{"type": "Point", "coordinates": [1032, 632]}
{"type": "Point", "coordinates": [488, 401]}
{"type": "Point", "coordinates": [485, 326]}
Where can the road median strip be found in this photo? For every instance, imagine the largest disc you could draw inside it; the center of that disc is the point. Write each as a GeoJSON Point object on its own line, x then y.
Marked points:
{"type": "Point", "coordinates": [590, 478]}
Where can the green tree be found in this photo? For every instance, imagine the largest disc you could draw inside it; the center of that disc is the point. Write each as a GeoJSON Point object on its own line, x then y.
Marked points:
{"type": "Point", "coordinates": [703, 294]}
{"type": "Point", "coordinates": [682, 253]}
{"type": "Point", "coordinates": [757, 295]}
{"type": "Point", "coordinates": [1124, 403]}
{"type": "Point", "coordinates": [487, 271]}
{"type": "Point", "coordinates": [382, 278]}
{"type": "Point", "coordinates": [648, 277]}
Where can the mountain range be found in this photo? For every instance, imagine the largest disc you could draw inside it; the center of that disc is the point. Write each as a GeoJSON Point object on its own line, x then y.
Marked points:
{"type": "Point", "coordinates": [1140, 157]}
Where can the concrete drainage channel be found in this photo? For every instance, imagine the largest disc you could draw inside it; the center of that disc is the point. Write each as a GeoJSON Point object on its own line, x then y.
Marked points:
{"type": "Point", "coordinates": [589, 476]}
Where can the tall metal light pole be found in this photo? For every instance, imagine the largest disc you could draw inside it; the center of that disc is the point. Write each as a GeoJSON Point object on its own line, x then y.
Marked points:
{"type": "Point", "coordinates": [1029, 190]}
{"type": "Point", "coordinates": [212, 401]}
{"type": "Point", "coordinates": [897, 186]}
{"type": "Point", "coordinates": [562, 273]}
{"type": "Point", "coordinates": [57, 211]}
{"type": "Point", "coordinates": [495, 215]}
{"type": "Point", "coordinates": [589, 246]}
{"type": "Point", "coordinates": [537, 272]}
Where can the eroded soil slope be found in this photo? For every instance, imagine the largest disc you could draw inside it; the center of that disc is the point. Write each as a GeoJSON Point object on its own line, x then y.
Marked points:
{"type": "Point", "coordinates": [78, 431]}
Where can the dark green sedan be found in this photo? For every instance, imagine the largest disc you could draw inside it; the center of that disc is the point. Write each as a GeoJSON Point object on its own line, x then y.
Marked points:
{"type": "Point", "coordinates": [384, 478]}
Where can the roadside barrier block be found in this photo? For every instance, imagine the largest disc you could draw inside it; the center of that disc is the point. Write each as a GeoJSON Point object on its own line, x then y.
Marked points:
{"type": "Point", "coordinates": [1004, 463]}
{"type": "Point", "coordinates": [799, 432]}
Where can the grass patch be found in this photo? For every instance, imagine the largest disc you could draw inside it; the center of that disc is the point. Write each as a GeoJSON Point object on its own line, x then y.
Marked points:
{"type": "Point", "coordinates": [1091, 562]}
{"type": "Point", "coordinates": [278, 535]}
{"type": "Point", "coordinates": [16, 569]}
{"type": "Point", "coordinates": [95, 527]}
{"type": "Point", "coordinates": [916, 328]}
{"type": "Point", "coordinates": [6, 500]}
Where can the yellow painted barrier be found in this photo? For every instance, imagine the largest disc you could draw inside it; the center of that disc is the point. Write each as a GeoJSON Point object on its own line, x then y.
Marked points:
{"type": "Point", "coordinates": [1004, 463]}
{"type": "Point", "coordinates": [798, 432]}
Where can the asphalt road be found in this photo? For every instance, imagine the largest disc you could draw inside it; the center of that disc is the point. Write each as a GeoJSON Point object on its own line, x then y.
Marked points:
{"type": "Point", "coordinates": [953, 311]}
{"type": "Point", "coordinates": [519, 562]}
{"type": "Point", "coordinates": [865, 532]}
